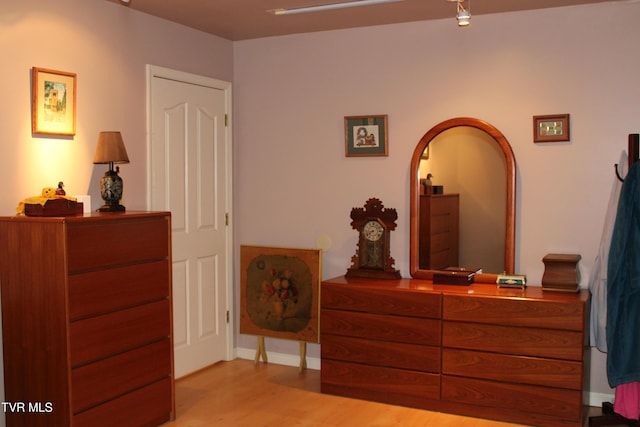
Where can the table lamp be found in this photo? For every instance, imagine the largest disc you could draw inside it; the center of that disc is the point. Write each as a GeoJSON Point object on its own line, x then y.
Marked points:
{"type": "Point", "coordinates": [111, 150]}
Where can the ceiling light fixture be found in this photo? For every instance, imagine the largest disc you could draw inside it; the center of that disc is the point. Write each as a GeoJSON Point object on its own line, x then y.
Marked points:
{"type": "Point", "coordinates": [463, 14]}
{"type": "Point", "coordinates": [332, 6]}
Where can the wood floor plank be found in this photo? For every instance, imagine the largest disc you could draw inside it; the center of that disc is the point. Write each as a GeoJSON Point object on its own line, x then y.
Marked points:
{"type": "Point", "coordinates": [240, 393]}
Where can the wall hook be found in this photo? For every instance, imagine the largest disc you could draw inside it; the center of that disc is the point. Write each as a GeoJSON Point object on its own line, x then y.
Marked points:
{"type": "Point", "coordinates": [615, 167]}
{"type": "Point", "coordinates": [634, 154]}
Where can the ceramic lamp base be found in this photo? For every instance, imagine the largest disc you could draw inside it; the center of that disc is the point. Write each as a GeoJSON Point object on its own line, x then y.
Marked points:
{"type": "Point", "coordinates": [111, 208]}
{"type": "Point", "coordinates": [111, 192]}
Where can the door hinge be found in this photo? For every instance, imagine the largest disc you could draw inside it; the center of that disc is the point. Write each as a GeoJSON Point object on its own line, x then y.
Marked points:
{"type": "Point", "coordinates": [226, 219]}
{"type": "Point", "coordinates": [227, 316]}
{"type": "Point", "coordinates": [226, 120]}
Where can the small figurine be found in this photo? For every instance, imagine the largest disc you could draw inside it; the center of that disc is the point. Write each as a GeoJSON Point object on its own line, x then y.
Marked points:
{"type": "Point", "coordinates": [428, 185]}
{"type": "Point", "coordinates": [60, 190]}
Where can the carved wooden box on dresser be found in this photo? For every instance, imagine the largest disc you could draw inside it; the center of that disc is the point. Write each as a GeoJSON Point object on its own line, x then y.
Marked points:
{"type": "Point", "coordinates": [505, 354]}
{"type": "Point", "coordinates": [86, 319]}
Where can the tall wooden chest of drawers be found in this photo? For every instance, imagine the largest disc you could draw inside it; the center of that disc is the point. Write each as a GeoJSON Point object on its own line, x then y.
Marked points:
{"type": "Point", "coordinates": [507, 354]}
{"type": "Point", "coordinates": [438, 240]}
{"type": "Point", "coordinates": [86, 319]}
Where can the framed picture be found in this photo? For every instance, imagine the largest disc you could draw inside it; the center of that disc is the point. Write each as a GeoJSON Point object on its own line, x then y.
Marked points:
{"type": "Point", "coordinates": [53, 109]}
{"type": "Point", "coordinates": [280, 292]}
{"type": "Point", "coordinates": [551, 128]}
{"type": "Point", "coordinates": [366, 136]}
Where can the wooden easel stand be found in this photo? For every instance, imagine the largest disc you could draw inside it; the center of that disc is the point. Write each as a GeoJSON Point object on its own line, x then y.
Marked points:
{"type": "Point", "coordinates": [261, 353]}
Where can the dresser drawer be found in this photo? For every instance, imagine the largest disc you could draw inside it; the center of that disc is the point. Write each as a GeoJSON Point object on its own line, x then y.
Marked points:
{"type": "Point", "coordinates": [102, 291]}
{"type": "Point", "coordinates": [443, 259]}
{"type": "Point", "coordinates": [108, 378]}
{"type": "Point", "coordinates": [526, 400]}
{"type": "Point", "coordinates": [516, 312]}
{"type": "Point", "coordinates": [98, 337]}
{"type": "Point", "coordinates": [387, 301]}
{"type": "Point", "coordinates": [378, 383]}
{"type": "Point", "coordinates": [441, 242]}
{"type": "Point", "coordinates": [517, 369]}
{"type": "Point", "coordinates": [513, 340]}
{"type": "Point", "coordinates": [380, 353]}
{"type": "Point", "coordinates": [442, 224]}
{"type": "Point", "coordinates": [444, 205]}
{"type": "Point", "coordinates": [148, 406]}
{"type": "Point", "coordinates": [380, 327]}
{"type": "Point", "coordinates": [104, 243]}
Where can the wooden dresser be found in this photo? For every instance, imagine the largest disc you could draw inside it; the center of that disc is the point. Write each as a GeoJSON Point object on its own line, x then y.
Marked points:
{"type": "Point", "coordinates": [438, 240]}
{"type": "Point", "coordinates": [512, 355]}
{"type": "Point", "coordinates": [86, 319]}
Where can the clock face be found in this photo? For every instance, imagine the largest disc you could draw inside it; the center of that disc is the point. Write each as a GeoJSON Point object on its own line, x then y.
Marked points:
{"type": "Point", "coordinates": [372, 231]}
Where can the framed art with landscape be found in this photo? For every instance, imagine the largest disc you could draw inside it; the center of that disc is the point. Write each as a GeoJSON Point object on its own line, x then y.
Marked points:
{"type": "Point", "coordinates": [53, 110]}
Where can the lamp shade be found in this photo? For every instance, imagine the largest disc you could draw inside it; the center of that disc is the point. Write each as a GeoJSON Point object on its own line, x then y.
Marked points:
{"type": "Point", "coordinates": [110, 149]}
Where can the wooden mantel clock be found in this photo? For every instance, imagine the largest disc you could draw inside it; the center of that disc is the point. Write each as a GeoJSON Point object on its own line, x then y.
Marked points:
{"type": "Point", "coordinates": [373, 259]}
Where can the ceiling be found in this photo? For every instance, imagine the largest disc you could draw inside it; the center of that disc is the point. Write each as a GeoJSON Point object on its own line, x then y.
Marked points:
{"type": "Point", "coordinates": [248, 19]}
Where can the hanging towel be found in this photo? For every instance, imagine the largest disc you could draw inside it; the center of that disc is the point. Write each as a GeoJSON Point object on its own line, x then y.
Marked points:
{"type": "Point", "coordinates": [627, 401]}
{"type": "Point", "coordinates": [598, 277]}
{"type": "Point", "coordinates": [623, 287]}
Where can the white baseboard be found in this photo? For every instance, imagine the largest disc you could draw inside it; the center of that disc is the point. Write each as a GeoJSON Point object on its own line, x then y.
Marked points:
{"type": "Point", "coordinates": [596, 399]}
{"type": "Point", "coordinates": [590, 398]}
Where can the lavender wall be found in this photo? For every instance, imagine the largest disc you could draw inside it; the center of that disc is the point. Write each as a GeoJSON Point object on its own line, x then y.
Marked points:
{"type": "Point", "coordinates": [292, 93]}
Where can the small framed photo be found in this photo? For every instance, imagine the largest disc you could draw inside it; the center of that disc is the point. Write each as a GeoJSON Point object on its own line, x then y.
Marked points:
{"type": "Point", "coordinates": [551, 128]}
{"type": "Point", "coordinates": [366, 136]}
{"type": "Point", "coordinates": [53, 103]}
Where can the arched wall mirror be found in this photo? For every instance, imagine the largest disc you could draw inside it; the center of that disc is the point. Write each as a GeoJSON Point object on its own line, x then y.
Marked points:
{"type": "Point", "coordinates": [471, 223]}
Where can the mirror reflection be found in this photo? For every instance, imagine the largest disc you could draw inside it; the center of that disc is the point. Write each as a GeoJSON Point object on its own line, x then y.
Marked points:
{"type": "Point", "coordinates": [462, 198]}
{"type": "Point", "coordinates": [463, 225]}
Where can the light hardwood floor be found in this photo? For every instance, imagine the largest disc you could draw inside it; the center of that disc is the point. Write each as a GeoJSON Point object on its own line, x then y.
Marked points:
{"type": "Point", "coordinates": [240, 393]}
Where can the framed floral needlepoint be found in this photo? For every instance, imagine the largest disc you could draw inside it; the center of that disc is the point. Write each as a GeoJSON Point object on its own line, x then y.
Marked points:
{"type": "Point", "coordinates": [53, 102]}
{"type": "Point", "coordinates": [280, 292]}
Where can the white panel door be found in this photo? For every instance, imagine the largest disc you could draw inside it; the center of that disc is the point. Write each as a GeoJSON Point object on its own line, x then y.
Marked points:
{"type": "Point", "coordinates": [189, 175]}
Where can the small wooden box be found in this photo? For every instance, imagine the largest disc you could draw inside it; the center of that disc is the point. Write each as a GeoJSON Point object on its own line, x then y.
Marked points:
{"type": "Point", "coordinates": [561, 273]}
{"type": "Point", "coordinates": [454, 276]}
{"type": "Point", "coordinates": [54, 207]}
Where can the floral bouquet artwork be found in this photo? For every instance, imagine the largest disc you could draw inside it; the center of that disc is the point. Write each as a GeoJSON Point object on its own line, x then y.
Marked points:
{"type": "Point", "coordinates": [280, 292]}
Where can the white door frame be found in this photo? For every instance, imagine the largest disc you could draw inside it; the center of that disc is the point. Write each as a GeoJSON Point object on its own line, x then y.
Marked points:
{"type": "Point", "coordinates": [181, 76]}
